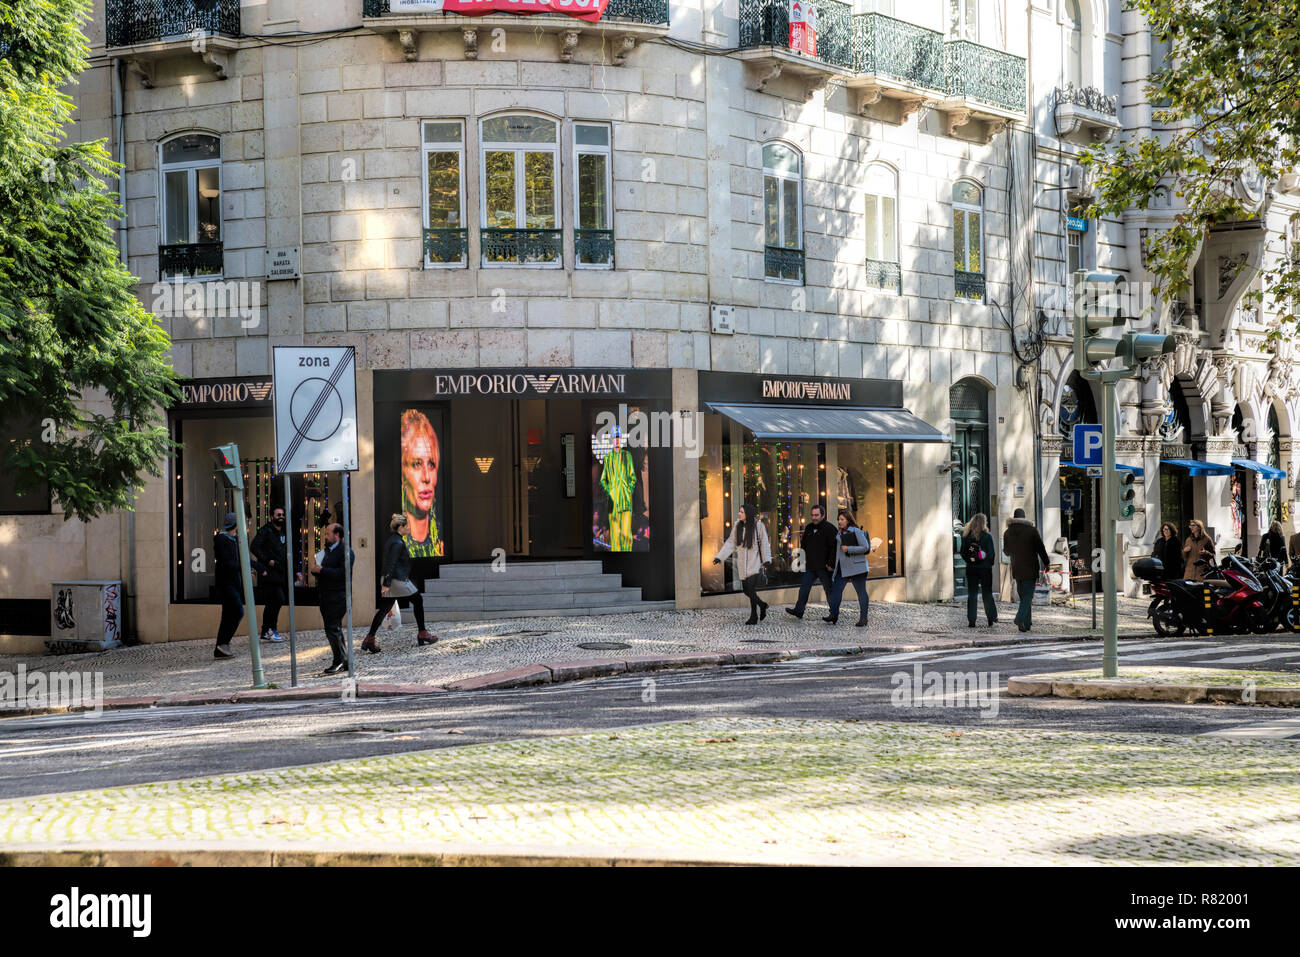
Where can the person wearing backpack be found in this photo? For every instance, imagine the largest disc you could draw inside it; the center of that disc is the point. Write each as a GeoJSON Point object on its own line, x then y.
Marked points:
{"type": "Point", "coordinates": [979, 553]}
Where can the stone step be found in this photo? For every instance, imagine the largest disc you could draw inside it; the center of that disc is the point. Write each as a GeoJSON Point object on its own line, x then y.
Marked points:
{"type": "Point", "coordinates": [519, 569]}
{"type": "Point", "coordinates": [548, 612]}
{"type": "Point", "coordinates": [503, 584]}
{"type": "Point", "coordinates": [579, 599]}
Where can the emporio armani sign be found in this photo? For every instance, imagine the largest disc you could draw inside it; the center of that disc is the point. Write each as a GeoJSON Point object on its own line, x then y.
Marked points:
{"type": "Point", "coordinates": [225, 393]}
{"type": "Point", "coordinates": [521, 383]}
{"type": "Point", "coordinates": [813, 391]}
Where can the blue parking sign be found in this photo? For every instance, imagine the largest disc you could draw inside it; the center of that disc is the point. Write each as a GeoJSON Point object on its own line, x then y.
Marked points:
{"type": "Point", "coordinates": [1071, 500]}
{"type": "Point", "coordinates": [1087, 445]}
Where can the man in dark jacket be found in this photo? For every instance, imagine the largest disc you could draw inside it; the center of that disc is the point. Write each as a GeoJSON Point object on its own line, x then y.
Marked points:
{"type": "Point", "coordinates": [818, 544]}
{"type": "Point", "coordinates": [1024, 546]}
{"type": "Point", "coordinates": [230, 584]}
{"type": "Point", "coordinates": [331, 580]}
{"type": "Point", "coordinates": [268, 548]}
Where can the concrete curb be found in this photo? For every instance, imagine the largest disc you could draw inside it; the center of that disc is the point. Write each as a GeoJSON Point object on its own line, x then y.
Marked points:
{"type": "Point", "coordinates": [540, 674]}
{"type": "Point", "coordinates": [1100, 690]}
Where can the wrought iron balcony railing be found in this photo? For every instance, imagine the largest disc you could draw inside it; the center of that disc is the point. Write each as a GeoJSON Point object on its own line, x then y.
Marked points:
{"type": "Point", "coordinates": [190, 260]}
{"type": "Point", "coordinates": [446, 246]}
{"type": "Point", "coordinates": [767, 23]}
{"type": "Point", "coordinates": [594, 247]}
{"type": "Point", "coordinates": [527, 246]}
{"type": "Point", "coordinates": [989, 76]}
{"type": "Point", "coordinates": [779, 262]}
{"type": "Point", "coordinates": [1088, 97]}
{"type": "Point", "coordinates": [884, 275]}
{"type": "Point", "coordinates": [635, 11]}
{"type": "Point", "coordinates": [883, 46]}
{"type": "Point", "coordinates": [131, 22]}
{"type": "Point", "coordinates": [968, 285]}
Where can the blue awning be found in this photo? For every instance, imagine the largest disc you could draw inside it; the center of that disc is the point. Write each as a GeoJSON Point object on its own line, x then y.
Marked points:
{"type": "Point", "coordinates": [1265, 470]}
{"type": "Point", "coordinates": [1197, 467]}
{"type": "Point", "coordinates": [1136, 470]}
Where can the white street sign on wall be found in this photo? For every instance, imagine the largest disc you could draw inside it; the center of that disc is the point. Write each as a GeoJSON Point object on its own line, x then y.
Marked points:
{"type": "Point", "coordinates": [315, 409]}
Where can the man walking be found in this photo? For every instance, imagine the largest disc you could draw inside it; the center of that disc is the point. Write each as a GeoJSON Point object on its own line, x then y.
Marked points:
{"type": "Point", "coordinates": [1024, 546]}
{"type": "Point", "coordinates": [230, 583]}
{"type": "Point", "coordinates": [332, 581]}
{"type": "Point", "coordinates": [268, 548]}
{"type": "Point", "coordinates": [819, 553]}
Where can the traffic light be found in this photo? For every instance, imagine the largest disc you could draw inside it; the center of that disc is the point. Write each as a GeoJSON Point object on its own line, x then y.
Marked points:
{"type": "Point", "coordinates": [226, 458]}
{"type": "Point", "coordinates": [1135, 347]}
{"type": "Point", "coordinates": [1126, 494]}
{"type": "Point", "coordinates": [1096, 308]}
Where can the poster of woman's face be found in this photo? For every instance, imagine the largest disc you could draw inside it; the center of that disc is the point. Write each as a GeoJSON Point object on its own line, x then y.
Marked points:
{"type": "Point", "coordinates": [420, 459]}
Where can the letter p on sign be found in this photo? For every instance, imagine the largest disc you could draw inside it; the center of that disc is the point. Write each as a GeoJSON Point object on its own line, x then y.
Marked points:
{"type": "Point", "coordinates": [1087, 445]}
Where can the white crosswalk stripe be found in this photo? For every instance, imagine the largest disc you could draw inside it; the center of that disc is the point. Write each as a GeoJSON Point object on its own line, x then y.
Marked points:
{"type": "Point", "coordinates": [1280, 728]}
{"type": "Point", "coordinates": [1251, 659]}
{"type": "Point", "coordinates": [1192, 653]}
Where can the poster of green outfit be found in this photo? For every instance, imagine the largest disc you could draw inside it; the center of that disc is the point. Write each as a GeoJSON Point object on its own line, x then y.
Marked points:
{"type": "Point", "coordinates": [618, 479]}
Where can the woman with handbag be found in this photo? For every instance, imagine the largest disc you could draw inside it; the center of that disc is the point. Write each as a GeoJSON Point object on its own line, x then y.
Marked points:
{"type": "Point", "coordinates": [397, 584]}
{"type": "Point", "coordinates": [748, 540]}
{"type": "Point", "coordinates": [851, 551]}
{"type": "Point", "coordinates": [979, 553]}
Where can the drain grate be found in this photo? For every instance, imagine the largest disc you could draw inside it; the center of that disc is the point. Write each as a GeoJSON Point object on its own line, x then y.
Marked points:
{"type": "Point", "coordinates": [758, 641]}
{"type": "Point", "coordinates": [603, 645]}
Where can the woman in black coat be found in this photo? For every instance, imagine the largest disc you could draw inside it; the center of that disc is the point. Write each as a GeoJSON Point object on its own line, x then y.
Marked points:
{"type": "Point", "coordinates": [1168, 551]}
{"type": "Point", "coordinates": [397, 584]}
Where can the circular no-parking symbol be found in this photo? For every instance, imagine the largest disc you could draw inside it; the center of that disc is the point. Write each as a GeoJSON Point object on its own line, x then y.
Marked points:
{"type": "Point", "coordinates": [315, 409]}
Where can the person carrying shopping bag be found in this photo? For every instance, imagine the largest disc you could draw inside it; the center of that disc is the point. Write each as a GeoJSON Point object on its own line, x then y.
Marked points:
{"type": "Point", "coordinates": [397, 584]}
{"type": "Point", "coordinates": [748, 541]}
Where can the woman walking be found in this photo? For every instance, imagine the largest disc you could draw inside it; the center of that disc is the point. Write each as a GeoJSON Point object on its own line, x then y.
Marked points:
{"type": "Point", "coordinates": [748, 540]}
{"type": "Point", "coordinates": [397, 584]}
{"type": "Point", "coordinates": [1167, 550]}
{"type": "Point", "coordinates": [977, 550]}
{"type": "Point", "coordinates": [851, 548]}
{"type": "Point", "coordinates": [1273, 545]}
{"type": "Point", "coordinates": [1197, 548]}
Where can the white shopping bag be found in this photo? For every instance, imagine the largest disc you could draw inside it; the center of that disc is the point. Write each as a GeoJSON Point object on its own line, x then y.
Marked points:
{"type": "Point", "coordinates": [393, 620]}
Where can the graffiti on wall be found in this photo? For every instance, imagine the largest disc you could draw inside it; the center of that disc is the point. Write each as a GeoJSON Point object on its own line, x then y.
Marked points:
{"type": "Point", "coordinates": [64, 616]}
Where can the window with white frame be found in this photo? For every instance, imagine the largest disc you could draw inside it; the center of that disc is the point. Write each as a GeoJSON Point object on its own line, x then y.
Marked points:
{"type": "Point", "coordinates": [190, 206]}
{"type": "Point", "coordinates": [1073, 251]}
{"type": "Point", "coordinates": [446, 240]}
{"type": "Point", "coordinates": [520, 187]}
{"type": "Point", "coordinates": [1074, 43]}
{"type": "Point", "coordinates": [968, 239]}
{"type": "Point", "coordinates": [593, 213]}
{"type": "Point", "coordinates": [963, 19]}
{"type": "Point", "coordinates": [782, 214]}
{"type": "Point", "coordinates": [882, 228]}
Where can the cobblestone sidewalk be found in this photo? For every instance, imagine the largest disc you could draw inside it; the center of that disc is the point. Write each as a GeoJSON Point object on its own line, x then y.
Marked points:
{"type": "Point", "coordinates": [468, 649]}
{"type": "Point", "coordinates": [738, 789]}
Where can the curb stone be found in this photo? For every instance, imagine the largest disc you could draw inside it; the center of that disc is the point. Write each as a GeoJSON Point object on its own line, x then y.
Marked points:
{"type": "Point", "coordinates": [1038, 686]}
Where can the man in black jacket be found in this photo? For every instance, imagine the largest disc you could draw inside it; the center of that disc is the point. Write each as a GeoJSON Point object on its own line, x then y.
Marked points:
{"type": "Point", "coordinates": [818, 544]}
{"type": "Point", "coordinates": [331, 580]}
{"type": "Point", "coordinates": [229, 585]}
{"type": "Point", "coordinates": [268, 548]}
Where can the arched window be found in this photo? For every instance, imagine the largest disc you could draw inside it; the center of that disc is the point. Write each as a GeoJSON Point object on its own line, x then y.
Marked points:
{"type": "Point", "coordinates": [968, 240]}
{"type": "Point", "coordinates": [1074, 43]}
{"type": "Point", "coordinates": [190, 207]}
{"type": "Point", "coordinates": [882, 228]}
{"type": "Point", "coordinates": [520, 186]}
{"type": "Point", "coordinates": [782, 213]}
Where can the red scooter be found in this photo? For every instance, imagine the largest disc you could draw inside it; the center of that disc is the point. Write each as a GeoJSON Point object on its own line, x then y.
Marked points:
{"type": "Point", "coordinates": [1228, 601]}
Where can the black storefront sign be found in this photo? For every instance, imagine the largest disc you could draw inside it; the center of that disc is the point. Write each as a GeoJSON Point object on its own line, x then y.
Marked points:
{"type": "Point", "coordinates": [442, 384]}
{"type": "Point", "coordinates": [799, 390]}
{"type": "Point", "coordinates": [231, 392]}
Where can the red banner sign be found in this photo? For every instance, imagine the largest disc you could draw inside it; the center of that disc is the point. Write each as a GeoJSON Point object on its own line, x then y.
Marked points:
{"type": "Point", "coordinates": [590, 10]}
{"type": "Point", "coordinates": [803, 27]}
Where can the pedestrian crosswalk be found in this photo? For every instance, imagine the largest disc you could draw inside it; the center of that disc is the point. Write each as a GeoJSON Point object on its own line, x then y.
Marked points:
{"type": "Point", "coordinates": [1077, 652]}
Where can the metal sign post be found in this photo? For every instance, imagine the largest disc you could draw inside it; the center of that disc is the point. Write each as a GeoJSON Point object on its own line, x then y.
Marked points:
{"type": "Point", "coordinates": [347, 568]}
{"type": "Point", "coordinates": [289, 528]}
{"type": "Point", "coordinates": [226, 459]}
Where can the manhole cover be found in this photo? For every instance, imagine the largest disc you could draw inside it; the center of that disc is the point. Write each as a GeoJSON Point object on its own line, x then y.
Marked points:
{"type": "Point", "coordinates": [933, 631]}
{"type": "Point", "coordinates": [603, 645]}
{"type": "Point", "coordinates": [758, 641]}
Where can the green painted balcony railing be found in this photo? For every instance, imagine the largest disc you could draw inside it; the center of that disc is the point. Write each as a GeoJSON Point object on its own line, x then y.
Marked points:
{"type": "Point", "coordinates": [968, 285]}
{"type": "Point", "coordinates": [884, 275]}
{"type": "Point", "coordinates": [883, 46]}
{"type": "Point", "coordinates": [190, 259]}
{"type": "Point", "coordinates": [767, 23]}
{"type": "Point", "coordinates": [780, 262]}
{"type": "Point", "coordinates": [636, 11]}
{"type": "Point", "coordinates": [594, 247]}
{"type": "Point", "coordinates": [446, 245]}
{"type": "Point", "coordinates": [522, 245]}
{"type": "Point", "coordinates": [989, 76]}
{"type": "Point", "coordinates": [130, 22]}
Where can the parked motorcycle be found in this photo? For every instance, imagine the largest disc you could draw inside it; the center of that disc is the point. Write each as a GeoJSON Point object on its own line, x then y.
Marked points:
{"type": "Point", "coordinates": [1231, 599]}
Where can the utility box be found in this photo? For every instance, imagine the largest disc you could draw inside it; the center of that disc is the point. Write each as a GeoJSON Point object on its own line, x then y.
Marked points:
{"type": "Point", "coordinates": [84, 616]}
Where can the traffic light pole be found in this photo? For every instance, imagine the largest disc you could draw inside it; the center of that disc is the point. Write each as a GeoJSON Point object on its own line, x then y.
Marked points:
{"type": "Point", "coordinates": [250, 608]}
{"type": "Point", "coordinates": [1109, 509]}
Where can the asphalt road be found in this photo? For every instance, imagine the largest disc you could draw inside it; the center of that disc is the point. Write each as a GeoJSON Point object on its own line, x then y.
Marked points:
{"type": "Point", "coordinates": [60, 753]}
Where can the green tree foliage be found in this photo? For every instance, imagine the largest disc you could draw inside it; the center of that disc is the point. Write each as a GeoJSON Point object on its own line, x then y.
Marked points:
{"type": "Point", "coordinates": [70, 324]}
{"type": "Point", "coordinates": [1229, 98]}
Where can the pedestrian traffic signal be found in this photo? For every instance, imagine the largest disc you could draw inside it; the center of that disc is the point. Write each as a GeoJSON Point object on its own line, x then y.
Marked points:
{"type": "Point", "coordinates": [1096, 308]}
{"type": "Point", "coordinates": [226, 458]}
{"type": "Point", "coordinates": [1124, 503]}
